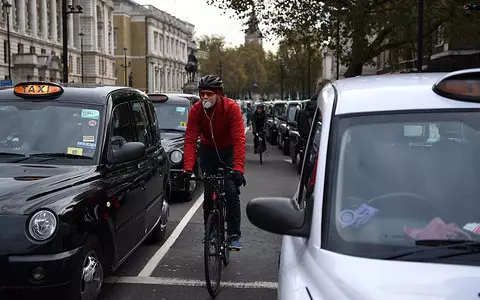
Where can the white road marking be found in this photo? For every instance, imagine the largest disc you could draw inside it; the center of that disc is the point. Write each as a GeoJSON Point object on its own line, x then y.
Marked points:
{"type": "Point", "coordinates": [247, 129]}
{"type": "Point", "coordinates": [190, 282]}
{"type": "Point", "coordinates": [157, 257]}
{"type": "Point", "coordinates": [289, 160]}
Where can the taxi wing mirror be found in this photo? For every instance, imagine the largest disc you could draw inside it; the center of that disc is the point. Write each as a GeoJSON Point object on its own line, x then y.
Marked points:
{"type": "Point", "coordinates": [278, 215]}
{"type": "Point", "coordinates": [128, 152]}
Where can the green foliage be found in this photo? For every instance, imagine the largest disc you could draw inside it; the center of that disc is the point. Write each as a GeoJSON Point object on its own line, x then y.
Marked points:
{"type": "Point", "coordinates": [369, 26]}
{"type": "Point", "coordinates": [239, 67]}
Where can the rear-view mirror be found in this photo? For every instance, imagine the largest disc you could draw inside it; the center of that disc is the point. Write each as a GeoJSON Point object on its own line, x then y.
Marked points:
{"type": "Point", "coordinates": [278, 215]}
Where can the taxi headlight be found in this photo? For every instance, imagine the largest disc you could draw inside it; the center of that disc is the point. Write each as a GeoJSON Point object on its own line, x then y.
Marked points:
{"type": "Point", "coordinates": [176, 156]}
{"type": "Point", "coordinates": [42, 225]}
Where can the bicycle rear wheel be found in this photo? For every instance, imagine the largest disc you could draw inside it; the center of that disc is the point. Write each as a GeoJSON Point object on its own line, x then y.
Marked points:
{"type": "Point", "coordinates": [212, 257]}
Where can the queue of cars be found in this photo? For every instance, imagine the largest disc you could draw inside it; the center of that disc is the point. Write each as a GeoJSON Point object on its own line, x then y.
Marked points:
{"type": "Point", "coordinates": [387, 202]}
{"type": "Point", "coordinates": [86, 175]}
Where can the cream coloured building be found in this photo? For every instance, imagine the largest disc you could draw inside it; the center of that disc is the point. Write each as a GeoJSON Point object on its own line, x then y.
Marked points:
{"type": "Point", "coordinates": [157, 46]}
{"type": "Point", "coordinates": [36, 41]}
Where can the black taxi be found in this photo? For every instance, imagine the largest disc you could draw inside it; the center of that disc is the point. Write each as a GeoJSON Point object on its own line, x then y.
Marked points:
{"type": "Point", "coordinates": [172, 113]}
{"type": "Point", "coordinates": [83, 182]}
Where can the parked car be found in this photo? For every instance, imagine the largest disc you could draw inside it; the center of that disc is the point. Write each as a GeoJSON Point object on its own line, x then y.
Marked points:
{"type": "Point", "coordinates": [283, 137]}
{"type": "Point", "coordinates": [83, 179]}
{"type": "Point", "coordinates": [278, 109]}
{"type": "Point", "coordinates": [172, 113]}
{"type": "Point", "coordinates": [388, 194]}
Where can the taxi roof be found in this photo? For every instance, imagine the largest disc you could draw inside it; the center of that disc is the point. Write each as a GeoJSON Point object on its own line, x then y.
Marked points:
{"type": "Point", "coordinates": [392, 92]}
{"type": "Point", "coordinates": [73, 92]}
{"type": "Point", "coordinates": [172, 98]}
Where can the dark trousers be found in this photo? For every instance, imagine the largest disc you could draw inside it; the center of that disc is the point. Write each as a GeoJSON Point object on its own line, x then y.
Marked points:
{"type": "Point", "coordinates": [209, 163]}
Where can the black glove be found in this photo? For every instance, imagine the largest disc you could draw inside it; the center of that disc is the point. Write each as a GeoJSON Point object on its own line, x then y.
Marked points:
{"type": "Point", "coordinates": [238, 178]}
{"type": "Point", "coordinates": [186, 176]}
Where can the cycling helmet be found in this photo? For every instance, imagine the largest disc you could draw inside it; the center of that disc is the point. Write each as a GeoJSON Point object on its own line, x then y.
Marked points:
{"type": "Point", "coordinates": [210, 82]}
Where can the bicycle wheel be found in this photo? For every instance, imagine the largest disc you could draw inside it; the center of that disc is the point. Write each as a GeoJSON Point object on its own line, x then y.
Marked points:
{"type": "Point", "coordinates": [225, 241]}
{"type": "Point", "coordinates": [212, 261]}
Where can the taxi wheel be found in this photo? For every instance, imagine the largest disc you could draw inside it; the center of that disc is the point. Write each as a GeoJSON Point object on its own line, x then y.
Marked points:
{"type": "Point", "coordinates": [88, 281]}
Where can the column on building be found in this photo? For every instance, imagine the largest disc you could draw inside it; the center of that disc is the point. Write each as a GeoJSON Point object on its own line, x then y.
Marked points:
{"type": "Point", "coordinates": [94, 26]}
{"type": "Point", "coordinates": [166, 75]}
{"type": "Point", "coordinates": [71, 32]}
{"type": "Point", "coordinates": [53, 20]}
{"type": "Point", "coordinates": [106, 12]}
{"type": "Point", "coordinates": [21, 14]}
{"type": "Point", "coordinates": [32, 15]}
{"type": "Point", "coordinates": [159, 78]}
{"type": "Point", "coordinates": [44, 19]}
{"type": "Point", "coordinates": [151, 74]}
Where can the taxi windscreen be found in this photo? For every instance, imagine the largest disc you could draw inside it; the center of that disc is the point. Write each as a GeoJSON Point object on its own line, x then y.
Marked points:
{"type": "Point", "coordinates": [401, 179]}
{"type": "Point", "coordinates": [172, 116]}
{"type": "Point", "coordinates": [36, 128]}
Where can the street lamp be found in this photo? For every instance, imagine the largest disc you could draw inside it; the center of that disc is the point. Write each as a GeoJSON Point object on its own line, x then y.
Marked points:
{"type": "Point", "coordinates": [125, 66]}
{"type": "Point", "coordinates": [72, 9]}
{"type": "Point", "coordinates": [6, 8]}
{"type": "Point", "coordinates": [81, 34]}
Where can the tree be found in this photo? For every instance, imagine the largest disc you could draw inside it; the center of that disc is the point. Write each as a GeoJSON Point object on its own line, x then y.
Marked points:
{"type": "Point", "coordinates": [368, 27]}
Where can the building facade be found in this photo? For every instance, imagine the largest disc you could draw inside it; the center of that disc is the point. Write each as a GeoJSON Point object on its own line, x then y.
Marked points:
{"type": "Point", "coordinates": [36, 41]}
{"type": "Point", "coordinates": [151, 47]}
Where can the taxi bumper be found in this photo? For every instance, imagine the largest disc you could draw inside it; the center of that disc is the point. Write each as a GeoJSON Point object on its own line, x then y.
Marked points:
{"type": "Point", "coordinates": [38, 271]}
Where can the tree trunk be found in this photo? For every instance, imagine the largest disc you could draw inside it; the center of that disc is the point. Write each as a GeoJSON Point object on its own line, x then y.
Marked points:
{"type": "Point", "coordinates": [354, 69]}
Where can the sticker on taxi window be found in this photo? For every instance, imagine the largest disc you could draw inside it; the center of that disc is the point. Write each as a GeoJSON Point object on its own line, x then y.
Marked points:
{"type": "Point", "coordinates": [92, 123]}
{"type": "Point", "coordinates": [183, 124]}
{"type": "Point", "coordinates": [90, 114]}
{"type": "Point", "coordinates": [86, 145]}
{"type": "Point", "coordinates": [181, 109]}
{"type": "Point", "coordinates": [75, 151]}
{"type": "Point", "coordinates": [88, 139]}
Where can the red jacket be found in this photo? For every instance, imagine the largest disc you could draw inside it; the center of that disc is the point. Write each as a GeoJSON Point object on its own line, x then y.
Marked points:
{"type": "Point", "coordinates": [228, 130]}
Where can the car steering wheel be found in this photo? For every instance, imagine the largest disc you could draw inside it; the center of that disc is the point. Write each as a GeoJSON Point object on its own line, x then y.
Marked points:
{"type": "Point", "coordinates": [400, 200]}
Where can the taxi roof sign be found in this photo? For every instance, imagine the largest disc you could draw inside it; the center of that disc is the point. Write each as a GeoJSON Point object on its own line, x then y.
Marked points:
{"type": "Point", "coordinates": [460, 85]}
{"type": "Point", "coordinates": [37, 89]}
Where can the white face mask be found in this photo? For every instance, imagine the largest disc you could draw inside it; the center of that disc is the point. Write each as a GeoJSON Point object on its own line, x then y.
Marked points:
{"type": "Point", "coordinates": [208, 103]}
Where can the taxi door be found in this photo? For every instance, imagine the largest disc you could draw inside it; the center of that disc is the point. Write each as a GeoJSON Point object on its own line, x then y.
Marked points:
{"type": "Point", "coordinates": [125, 183]}
{"type": "Point", "coordinates": [153, 168]}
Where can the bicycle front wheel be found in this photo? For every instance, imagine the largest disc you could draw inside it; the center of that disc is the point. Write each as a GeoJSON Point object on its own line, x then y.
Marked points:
{"type": "Point", "coordinates": [212, 254]}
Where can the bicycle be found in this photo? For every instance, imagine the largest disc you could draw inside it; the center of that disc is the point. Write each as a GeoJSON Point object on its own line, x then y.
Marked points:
{"type": "Point", "coordinates": [216, 242]}
{"type": "Point", "coordinates": [261, 145]}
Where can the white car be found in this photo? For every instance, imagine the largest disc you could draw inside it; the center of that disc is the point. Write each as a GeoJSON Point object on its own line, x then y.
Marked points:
{"type": "Point", "coordinates": [388, 204]}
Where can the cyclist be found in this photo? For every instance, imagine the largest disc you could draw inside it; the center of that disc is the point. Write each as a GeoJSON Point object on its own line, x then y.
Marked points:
{"type": "Point", "coordinates": [249, 113]}
{"type": "Point", "coordinates": [218, 120]}
{"type": "Point", "coordinates": [259, 123]}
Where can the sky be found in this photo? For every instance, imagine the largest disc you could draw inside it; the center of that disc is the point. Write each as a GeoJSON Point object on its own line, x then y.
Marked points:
{"type": "Point", "coordinates": [208, 20]}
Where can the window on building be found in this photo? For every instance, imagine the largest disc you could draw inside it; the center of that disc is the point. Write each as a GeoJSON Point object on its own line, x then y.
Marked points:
{"type": "Point", "coordinates": [32, 50]}
{"type": "Point", "coordinates": [155, 41]}
{"type": "Point", "coordinates": [70, 64]}
{"type": "Point", "coordinates": [43, 51]}
{"type": "Point", "coordinates": [79, 65]}
{"type": "Point", "coordinates": [115, 37]}
{"type": "Point", "coordinates": [20, 48]}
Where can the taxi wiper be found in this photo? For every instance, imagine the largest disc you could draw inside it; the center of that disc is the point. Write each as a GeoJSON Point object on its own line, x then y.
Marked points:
{"type": "Point", "coordinates": [12, 154]}
{"type": "Point", "coordinates": [436, 245]}
{"type": "Point", "coordinates": [60, 154]}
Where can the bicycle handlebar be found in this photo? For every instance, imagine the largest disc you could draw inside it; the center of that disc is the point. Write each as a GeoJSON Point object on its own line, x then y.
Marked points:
{"type": "Point", "coordinates": [212, 177]}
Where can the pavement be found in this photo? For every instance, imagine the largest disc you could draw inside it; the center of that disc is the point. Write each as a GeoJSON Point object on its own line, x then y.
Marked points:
{"type": "Point", "coordinates": [173, 269]}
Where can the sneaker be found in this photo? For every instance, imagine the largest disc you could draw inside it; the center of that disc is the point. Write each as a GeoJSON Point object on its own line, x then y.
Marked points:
{"type": "Point", "coordinates": [235, 244]}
